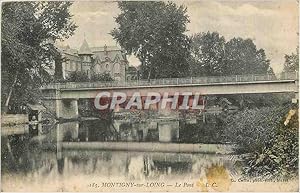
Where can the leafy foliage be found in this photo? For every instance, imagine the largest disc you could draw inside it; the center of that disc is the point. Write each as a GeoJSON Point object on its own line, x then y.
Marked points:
{"type": "Point", "coordinates": [29, 31]}
{"type": "Point", "coordinates": [242, 57]}
{"type": "Point", "coordinates": [212, 56]}
{"type": "Point", "coordinates": [271, 146]}
{"type": "Point", "coordinates": [154, 32]}
{"type": "Point", "coordinates": [252, 129]}
{"type": "Point", "coordinates": [208, 51]}
{"type": "Point", "coordinates": [106, 77]}
{"type": "Point", "coordinates": [280, 158]}
{"type": "Point", "coordinates": [292, 62]}
{"type": "Point", "coordinates": [244, 101]}
{"type": "Point", "coordinates": [79, 76]}
{"type": "Point", "coordinates": [210, 132]}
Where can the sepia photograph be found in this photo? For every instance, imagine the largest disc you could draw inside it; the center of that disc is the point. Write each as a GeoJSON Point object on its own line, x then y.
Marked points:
{"type": "Point", "coordinates": [150, 96]}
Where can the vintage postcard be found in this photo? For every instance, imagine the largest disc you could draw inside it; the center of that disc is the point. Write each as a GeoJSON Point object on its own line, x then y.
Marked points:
{"type": "Point", "coordinates": [150, 96]}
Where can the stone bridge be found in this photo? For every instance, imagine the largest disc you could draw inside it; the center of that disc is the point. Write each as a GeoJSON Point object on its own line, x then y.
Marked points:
{"type": "Point", "coordinates": [62, 98]}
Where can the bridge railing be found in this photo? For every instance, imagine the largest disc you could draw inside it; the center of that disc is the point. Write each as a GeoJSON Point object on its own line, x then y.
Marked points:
{"type": "Point", "coordinates": [177, 81]}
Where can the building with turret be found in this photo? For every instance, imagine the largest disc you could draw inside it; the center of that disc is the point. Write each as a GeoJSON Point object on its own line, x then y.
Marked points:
{"type": "Point", "coordinates": [95, 60]}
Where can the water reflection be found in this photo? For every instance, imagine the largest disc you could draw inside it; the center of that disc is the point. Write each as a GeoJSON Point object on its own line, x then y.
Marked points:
{"type": "Point", "coordinates": [147, 131]}
{"type": "Point", "coordinates": [36, 155]}
{"type": "Point", "coordinates": [163, 131]}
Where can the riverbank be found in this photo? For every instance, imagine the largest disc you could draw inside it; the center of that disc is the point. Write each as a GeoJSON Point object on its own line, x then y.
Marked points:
{"type": "Point", "coordinates": [151, 147]}
{"type": "Point", "coordinates": [14, 119]}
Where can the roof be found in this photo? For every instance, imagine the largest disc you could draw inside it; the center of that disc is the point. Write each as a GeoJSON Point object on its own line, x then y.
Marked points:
{"type": "Point", "coordinates": [110, 54]}
{"type": "Point", "coordinates": [85, 49]}
{"type": "Point", "coordinates": [108, 51]}
{"type": "Point", "coordinates": [71, 51]}
{"type": "Point", "coordinates": [98, 53]}
{"type": "Point", "coordinates": [67, 50]}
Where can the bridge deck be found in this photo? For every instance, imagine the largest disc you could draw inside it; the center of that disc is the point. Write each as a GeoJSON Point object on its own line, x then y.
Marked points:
{"type": "Point", "coordinates": [290, 76]}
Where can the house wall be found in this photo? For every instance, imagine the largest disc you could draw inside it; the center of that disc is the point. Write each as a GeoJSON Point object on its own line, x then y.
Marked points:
{"type": "Point", "coordinates": [115, 66]}
{"type": "Point", "coordinates": [73, 63]}
{"type": "Point", "coordinates": [117, 69]}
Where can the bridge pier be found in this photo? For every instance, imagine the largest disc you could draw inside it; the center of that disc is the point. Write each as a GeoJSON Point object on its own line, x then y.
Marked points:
{"type": "Point", "coordinates": [68, 109]}
{"type": "Point", "coordinates": [63, 108]}
{"type": "Point", "coordinates": [168, 131]}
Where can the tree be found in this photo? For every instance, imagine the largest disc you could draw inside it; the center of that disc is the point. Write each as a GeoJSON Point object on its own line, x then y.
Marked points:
{"type": "Point", "coordinates": [29, 31]}
{"type": "Point", "coordinates": [208, 52]}
{"type": "Point", "coordinates": [211, 55]}
{"type": "Point", "coordinates": [154, 33]}
{"type": "Point", "coordinates": [291, 62]}
{"type": "Point", "coordinates": [242, 57]}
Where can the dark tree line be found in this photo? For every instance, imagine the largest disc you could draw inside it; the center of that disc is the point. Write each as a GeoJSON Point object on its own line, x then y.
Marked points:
{"type": "Point", "coordinates": [155, 32]}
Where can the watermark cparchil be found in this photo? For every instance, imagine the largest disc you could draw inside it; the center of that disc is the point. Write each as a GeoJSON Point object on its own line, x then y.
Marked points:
{"type": "Point", "coordinates": [176, 100]}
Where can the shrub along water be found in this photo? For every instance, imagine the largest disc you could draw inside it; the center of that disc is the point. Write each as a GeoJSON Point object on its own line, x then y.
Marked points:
{"type": "Point", "coordinates": [268, 139]}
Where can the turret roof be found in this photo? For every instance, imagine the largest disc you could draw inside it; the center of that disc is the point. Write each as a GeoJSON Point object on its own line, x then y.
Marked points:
{"type": "Point", "coordinates": [85, 49]}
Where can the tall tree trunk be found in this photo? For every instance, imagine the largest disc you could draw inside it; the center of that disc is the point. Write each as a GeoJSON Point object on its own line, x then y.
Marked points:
{"type": "Point", "coordinates": [9, 94]}
{"type": "Point", "coordinates": [58, 71]}
{"type": "Point", "coordinates": [149, 74]}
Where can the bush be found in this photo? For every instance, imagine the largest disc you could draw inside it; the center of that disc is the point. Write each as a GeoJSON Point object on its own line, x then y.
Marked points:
{"type": "Point", "coordinates": [105, 77]}
{"type": "Point", "coordinates": [78, 76]}
{"type": "Point", "coordinates": [280, 159]}
{"type": "Point", "coordinates": [271, 145]}
{"type": "Point", "coordinates": [253, 129]}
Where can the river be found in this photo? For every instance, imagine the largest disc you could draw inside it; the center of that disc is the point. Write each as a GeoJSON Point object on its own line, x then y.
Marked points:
{"type": "Point", "coordinates": [56, 158]}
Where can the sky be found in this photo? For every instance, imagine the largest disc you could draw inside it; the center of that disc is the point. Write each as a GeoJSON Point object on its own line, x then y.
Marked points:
{"type": "Point", "coordinates": [273, 25]}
